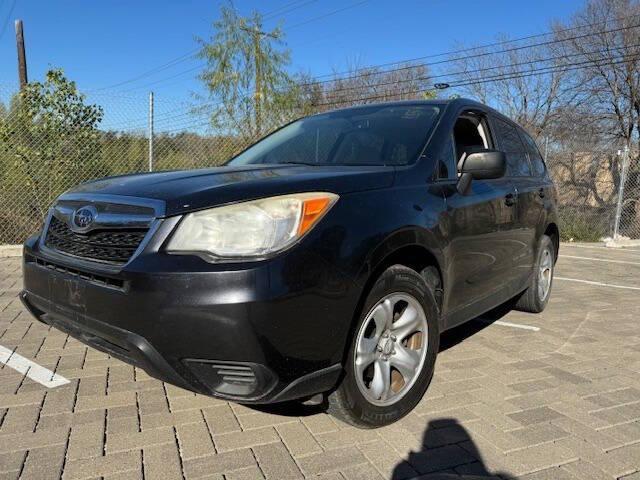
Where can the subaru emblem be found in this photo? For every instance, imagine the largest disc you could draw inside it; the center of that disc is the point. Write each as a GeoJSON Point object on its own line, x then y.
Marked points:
{"type": "Point", "coordinates": [84, 217]}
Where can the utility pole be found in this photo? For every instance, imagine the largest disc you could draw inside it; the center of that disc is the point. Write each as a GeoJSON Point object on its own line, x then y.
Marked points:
{"type": "Point", "coordinates": [22, 58]}
{"type": "Point", "coordinates": [151, 131]}
{"type": "Point", "coordinates": [257, 57]}
{"type": "Point", "coordinates": [258, 83]}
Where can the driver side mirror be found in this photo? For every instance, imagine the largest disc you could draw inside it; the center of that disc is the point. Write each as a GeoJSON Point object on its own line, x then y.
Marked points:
{"type": "Point", "coordinates": [483, 165]}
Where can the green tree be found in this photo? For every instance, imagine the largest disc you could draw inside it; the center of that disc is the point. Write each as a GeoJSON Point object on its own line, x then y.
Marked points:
{"type": "Point", "coordinates": [250, 89]}
{"type": "Point", "coordinates": [49, 141]}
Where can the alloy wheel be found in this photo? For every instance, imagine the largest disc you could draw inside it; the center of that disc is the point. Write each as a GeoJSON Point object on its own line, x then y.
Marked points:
{"type": "Point", "coordinates": [545, 274]}
{"type": "Point", "coordinates": [391, 348]}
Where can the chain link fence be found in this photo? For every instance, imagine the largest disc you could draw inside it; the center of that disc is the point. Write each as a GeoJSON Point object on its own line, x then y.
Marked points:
{"type": "Point", "coordinates": [598, 194]}
{"type": "Point", "coordinates": [41, 157]}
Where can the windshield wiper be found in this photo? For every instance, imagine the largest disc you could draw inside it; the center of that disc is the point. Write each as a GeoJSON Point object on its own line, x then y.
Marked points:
{"type": "Point", "coordinates": [312, 164]}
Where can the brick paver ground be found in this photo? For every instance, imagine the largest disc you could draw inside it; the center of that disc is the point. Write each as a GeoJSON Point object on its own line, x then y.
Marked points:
{"type": "Point", "coordinates": [559, 403]}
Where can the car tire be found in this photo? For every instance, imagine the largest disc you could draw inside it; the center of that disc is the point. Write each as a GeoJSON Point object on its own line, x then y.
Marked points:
{"type": "Point", "coordinates": [535, 298]}
{"type": "Point", "coordinates": [398, 320]}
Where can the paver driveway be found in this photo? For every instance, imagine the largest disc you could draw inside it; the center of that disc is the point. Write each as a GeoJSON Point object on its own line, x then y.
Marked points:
{"type": "Point", "coordinates": [558, 401]}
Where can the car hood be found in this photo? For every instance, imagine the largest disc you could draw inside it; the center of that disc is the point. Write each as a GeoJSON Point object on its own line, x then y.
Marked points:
{"type": "Point", "coordinates": [189, 190]}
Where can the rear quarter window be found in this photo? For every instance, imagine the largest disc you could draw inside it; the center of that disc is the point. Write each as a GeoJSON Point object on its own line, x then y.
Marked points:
{"type": "Point", "coordinates": [537, 163]}
{"type": "Point", "coordinates": [510, 143]}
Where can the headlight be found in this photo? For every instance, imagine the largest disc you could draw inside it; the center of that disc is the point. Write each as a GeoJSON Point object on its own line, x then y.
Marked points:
{"type": "Point", "coordinates": [250, 229]}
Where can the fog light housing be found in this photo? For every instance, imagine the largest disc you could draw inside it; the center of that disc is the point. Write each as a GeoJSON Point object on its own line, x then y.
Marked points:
{"type": "Point", "coordinates": [234, 380]}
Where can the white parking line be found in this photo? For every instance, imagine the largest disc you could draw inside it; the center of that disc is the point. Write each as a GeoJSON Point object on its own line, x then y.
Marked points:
{"type": "Point", "coordinates": [626, 250]}
{"type": "Point", "coordinates": [512, 325]}
{"type": "Point", "coordinates": [599, 284]}
{"type": "Point", "coordinates": [517, 325]}
{"type": "Point", "coordinates": [600, 260]}
{"type": "Point", "coordinates": [598, 247]}
{"type": "Point", "coordinates": [35, 372]}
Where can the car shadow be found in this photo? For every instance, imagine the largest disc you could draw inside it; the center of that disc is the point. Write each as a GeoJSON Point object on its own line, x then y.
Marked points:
{"type": "Point", "coordinates": [446, 447]}
{"type": "Point", "coordinates": [457, 335]}
{"type": "Point", "coordinates": [291, 408]}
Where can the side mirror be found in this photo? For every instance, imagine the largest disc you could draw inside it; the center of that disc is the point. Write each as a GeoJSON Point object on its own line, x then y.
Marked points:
{"type": "Point", "coordinates": [483, 165]}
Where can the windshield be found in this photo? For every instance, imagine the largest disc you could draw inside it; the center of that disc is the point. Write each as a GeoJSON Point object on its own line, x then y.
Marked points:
{"type": "Point", "coordinates": [377, 135]}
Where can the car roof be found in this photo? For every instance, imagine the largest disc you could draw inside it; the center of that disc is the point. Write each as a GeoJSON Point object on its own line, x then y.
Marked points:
{"type": "Point", "coordinates": [455, 103]}
{"type": "Point", "coordinates": [449, 102]}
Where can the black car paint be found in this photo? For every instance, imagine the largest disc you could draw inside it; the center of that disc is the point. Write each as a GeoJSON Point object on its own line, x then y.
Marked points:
{"type": "Point", "coordinates": [294, 313]}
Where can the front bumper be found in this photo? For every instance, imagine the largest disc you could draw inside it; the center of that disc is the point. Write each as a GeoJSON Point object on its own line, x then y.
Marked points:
{"type": "Point", "coordinates": [259, 332]}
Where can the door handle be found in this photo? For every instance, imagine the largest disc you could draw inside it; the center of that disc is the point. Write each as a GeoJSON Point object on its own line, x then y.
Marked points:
{"type": "Point", "coordinates": [510, 199]}
{"type": "Point", "coordinates": [541, 193]}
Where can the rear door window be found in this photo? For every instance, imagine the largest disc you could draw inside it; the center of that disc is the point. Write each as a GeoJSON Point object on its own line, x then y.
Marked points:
{"type": "Point", "coordinates": [516, 152]}
{"type": "Point", "coordinates": [537, 164]}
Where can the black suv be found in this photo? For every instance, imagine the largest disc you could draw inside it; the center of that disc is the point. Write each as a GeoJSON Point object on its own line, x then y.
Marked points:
{"type": "Point", "coordinates": [325, 259]}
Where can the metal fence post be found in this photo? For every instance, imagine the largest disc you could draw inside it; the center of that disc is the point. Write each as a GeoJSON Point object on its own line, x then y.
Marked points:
{"type": "Point", "coordinates": [546, 147]}
{"type": "Point", "coordinates": [151, 131]}
{"type": "Point", "coordinates": [623, 179]}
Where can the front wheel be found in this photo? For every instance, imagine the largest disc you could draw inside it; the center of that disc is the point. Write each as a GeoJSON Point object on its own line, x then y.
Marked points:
{"type": "Point", "coordinates": [536, 296]}
{"type": "Point", "coordinates": [392, 356]}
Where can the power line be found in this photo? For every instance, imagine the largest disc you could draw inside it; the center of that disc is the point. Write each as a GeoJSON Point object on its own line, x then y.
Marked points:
{"type": "Point", "coordinates": [489, 45]}
{"type": "Point", "coordinates": [151, 72]}
{"type": "Point", "coordinates": [504, 42]}
{"type": "Point", "coordinates": [460, 83]}
{"type": "Point", "coordinates": [496, 78]}
{"type": "Point", "coordinates": [457, 84]}
{"type": "Point", "coordinates": [334, 93]}
{"type": "Point", "coordinates": [192, 53]}
{"type": "Point", "coordinates": [479, 80]}
{"type": "Point", "coordinates": [181, 58]}
{"type": "Point", "coordinates": [478, 70]}
{"type": "Point", "coordinates": [7, 18]}
{"type": "Point", "coordinates": [466, 57]}
{"type": "Point", "coordinates": [328, 14]}
{"type": "Point", "coordinates": [282, 10]}
{"type": "Point", "coordinates": [462, 58]}
{"type": "Point", "coordinates": [440, 62]}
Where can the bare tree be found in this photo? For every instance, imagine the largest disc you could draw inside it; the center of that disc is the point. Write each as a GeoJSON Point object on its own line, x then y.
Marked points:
{"type": "Point", "coordinates": [605, 62]}
{"type": "Point", "coordinates": [370, 85]}
{"type": "Point", "coordinates": [520, 80]}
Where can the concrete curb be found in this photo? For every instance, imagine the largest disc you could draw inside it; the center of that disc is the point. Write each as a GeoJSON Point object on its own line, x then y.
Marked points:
{"type": "Point", "coordinates": [10, 251]}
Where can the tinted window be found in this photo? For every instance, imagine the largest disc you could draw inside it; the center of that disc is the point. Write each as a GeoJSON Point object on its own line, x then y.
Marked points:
{"type": "Point", "coordinates": [381, 135]}
{"type": "Point", "coordinates": [512, 146]}
{"type": "Point", "coordinates": [446, 167]}
{"type": "Point", "coordinates": [537, 164]}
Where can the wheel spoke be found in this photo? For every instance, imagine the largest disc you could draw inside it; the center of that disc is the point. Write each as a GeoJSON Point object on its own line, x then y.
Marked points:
{"type": "Point", "coordinates": [367, 345]}
{"type": "Point", "coordinates": [381, 382]}
{"type": "Point", "coordinates": [406, 360]}
{"type": "Point", "coordinates": [363, 361]}
{"type": "Point", "coordinates": [383, 316]}
{"type": "Point", "coordinates": [408, 323]}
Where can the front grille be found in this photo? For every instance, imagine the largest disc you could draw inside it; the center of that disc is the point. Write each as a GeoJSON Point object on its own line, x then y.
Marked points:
{"type": "Point", "coordinates": [101, 280]}
{"type": "Point", "coordinates": [105, 245]}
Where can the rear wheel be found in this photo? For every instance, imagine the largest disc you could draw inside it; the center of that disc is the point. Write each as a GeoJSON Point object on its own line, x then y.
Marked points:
{"type": "Point", "coordinates": [536, 296]}
{"type": "Point", "coordinates": [392, 355]}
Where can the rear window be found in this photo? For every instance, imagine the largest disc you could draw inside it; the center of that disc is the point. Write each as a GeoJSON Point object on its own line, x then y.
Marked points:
{"type": "Point", "coordinates": [377, 135]}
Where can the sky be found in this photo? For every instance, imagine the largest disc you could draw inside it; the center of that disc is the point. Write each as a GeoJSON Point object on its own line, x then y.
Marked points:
{"type": "Point", "coordinates": [106, 45]}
